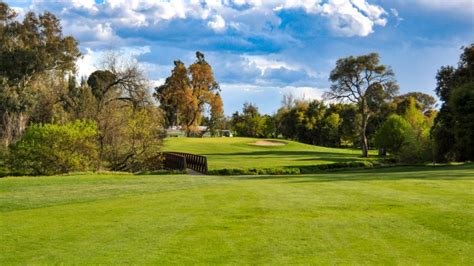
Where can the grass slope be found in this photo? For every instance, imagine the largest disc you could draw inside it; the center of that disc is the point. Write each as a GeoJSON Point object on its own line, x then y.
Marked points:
{"type": "Point", "coordinates": [378, 216]}
{"type": "Point", "coordinates": [240, 153]}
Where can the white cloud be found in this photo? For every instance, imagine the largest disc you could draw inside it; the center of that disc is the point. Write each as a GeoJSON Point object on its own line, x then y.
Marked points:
{"type": "Point", "coordinates": [305, 93]}
{"type": "Point", "coordinates": [346, 17]}
{"type": "Point", "coordinates": [92, 60]}
{"type": "Point", "coordinates": [87, 4]}
{"type": "Point", "coordinates": [310, 6]}
{"type": "Point", "coordinates": [264, 63]}
{"type": "Point", "coordinates": [217, 24]}
{"type": "Point", "coordinates": [88, 63]}
{"type": "Point", "coordinates": [248, 2]}
{"type": "Point", "coordinates": [267, 98]}
{"type": "Point", "coordinates": [104, 32]}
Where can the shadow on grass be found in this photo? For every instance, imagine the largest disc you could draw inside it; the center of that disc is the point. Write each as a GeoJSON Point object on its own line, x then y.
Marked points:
{"type": "Point", "coordinates": [286, 153]}
{"type": "Point", "coordinates": [293, 155]}
{"type": "Point", "coordinates": [462, 172]}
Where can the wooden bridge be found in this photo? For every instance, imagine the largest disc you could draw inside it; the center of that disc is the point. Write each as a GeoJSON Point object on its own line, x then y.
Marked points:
{"type": "Point", "coordinates": [183, 161]}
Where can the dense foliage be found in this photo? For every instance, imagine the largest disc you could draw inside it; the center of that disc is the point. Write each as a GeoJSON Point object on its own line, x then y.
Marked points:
{"type": "Point", "coordinates": [54, 149]}
{"type": "Point", "coordinates": [337, 124]}
{"type": "Point", "coordinates": [392, 134]}
{"type": "Point", "coordinates": [453, 130]}
{"type": "Point", "coordinates": [34, 59]}
{"type": "Point", "coordinates": [40, 94]}
{"type": "Point", "coordinates": [187, 92]}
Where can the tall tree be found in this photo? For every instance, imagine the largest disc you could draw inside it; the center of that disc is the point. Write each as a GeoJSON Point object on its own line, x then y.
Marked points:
{"type": "Point", "coordinates": [216, 114]}
{"type": "Point", "coordinates": [364, 81]}
{"type": "Point", "coordinates": [204, 88]}
{"type": "Point", "coordinates": [186, 93]}
{"type": "Point", "coordinates": [172, 93]}
{"type": "Point", "coordinates": [453, 126]}
{"type": "Point", "coordinates": [128, 123]}
{"type": "Point", "coordinates": [29, 50]}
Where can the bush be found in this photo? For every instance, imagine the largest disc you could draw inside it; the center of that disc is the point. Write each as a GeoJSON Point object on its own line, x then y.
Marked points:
{"type": "Point", "coordinates": [391, 135]}
{"type": "Point", "coordinates": [255, 171]}
{"type": "Point", "coordinates": [54, 149]}
{"type": "Point", "coordinates": [134, 143]}
{"type": "Point", "coordinates": [310, 169]}
{"type": "Point", "coordinates": [417, 148]}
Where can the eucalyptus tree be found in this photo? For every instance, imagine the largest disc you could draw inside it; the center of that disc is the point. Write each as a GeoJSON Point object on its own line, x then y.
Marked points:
{"type": "Point", "coordinates": [186, 93]}
{"type": "Point", "coordinates": [29, 50]}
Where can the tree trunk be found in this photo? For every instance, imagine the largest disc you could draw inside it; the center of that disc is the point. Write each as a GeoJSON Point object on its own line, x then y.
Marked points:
{"type": "Point", "coordinates": [14, 124]}
{"type": "Point", "coordinates": [364, 144]}
{"type": "Point", "coordinates": [363, 137]}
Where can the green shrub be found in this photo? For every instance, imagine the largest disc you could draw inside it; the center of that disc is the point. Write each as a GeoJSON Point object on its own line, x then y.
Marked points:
{"type": "Point", "coordinates": [309, 169]}
{"type": "Point", "coordinates": [54, 149]}
{"type": "Point", "coordinates": [392, 134]}
{"type": "Point", "coordinates": [417, 148]}
{"type": "Point", "coordinates": [254, 171]}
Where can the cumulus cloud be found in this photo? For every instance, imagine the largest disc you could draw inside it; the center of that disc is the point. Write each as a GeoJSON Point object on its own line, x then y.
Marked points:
{"type": "Point", "coordinates": [217, 24]}
{"type": "Point", "coordinates": [242, 39]}
{"type": "Point", "coordinates": [346, 17]}
{"type": "Point", "coordinates": [353, 18]}
{"type": "Point", "coordinates": [86, 4]}
{"type": "Point", "coordinates": [310, 6]}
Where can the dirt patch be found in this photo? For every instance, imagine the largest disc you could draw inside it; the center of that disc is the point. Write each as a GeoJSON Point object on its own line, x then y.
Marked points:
{"type": "Point", "coordinates": [268, 143]}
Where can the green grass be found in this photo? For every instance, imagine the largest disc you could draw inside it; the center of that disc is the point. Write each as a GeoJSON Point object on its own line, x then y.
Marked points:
{"type": "Point", "coordinates": [381, 216]}
{"type": "Point", "coordinates": [239, 153]}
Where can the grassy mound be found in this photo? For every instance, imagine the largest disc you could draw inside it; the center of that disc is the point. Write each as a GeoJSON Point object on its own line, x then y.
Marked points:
{"type": "Point", "coordinates": [241, 156]}
{"type": "Point", "coordinates": [378, 216]}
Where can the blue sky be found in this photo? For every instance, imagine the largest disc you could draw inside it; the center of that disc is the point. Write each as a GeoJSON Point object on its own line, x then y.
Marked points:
{"type": "Point", "coordinates": [263, 49]}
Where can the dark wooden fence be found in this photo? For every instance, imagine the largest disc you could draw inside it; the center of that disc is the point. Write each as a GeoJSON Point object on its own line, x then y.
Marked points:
{"type": "Point", "coordinates": [181, 161]}
{"type": "Point", "coordinates": [174, 161]}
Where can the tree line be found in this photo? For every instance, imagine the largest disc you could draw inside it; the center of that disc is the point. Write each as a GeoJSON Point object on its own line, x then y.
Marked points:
{"type": "Point", "coordinates": [363, 110]}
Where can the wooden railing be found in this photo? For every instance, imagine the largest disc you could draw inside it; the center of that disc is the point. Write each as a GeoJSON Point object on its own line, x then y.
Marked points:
{"type": "Point", "coordinates": [173, 161]}
{"type": "Point", "coordinates": [181, 161]}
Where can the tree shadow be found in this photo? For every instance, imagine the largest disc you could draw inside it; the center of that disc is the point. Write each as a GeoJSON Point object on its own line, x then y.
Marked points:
{"type": "Point", "coordinates": [277, 153]}
{"type": "Point", "coordinates": [298, 157]}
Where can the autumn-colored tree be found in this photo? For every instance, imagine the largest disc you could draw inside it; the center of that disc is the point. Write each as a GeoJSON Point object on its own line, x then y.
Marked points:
{"type": "Point", "coordinates": [171, 94]}
{"type": "Point", "coordinates": [216, 118]}
{"type": "Point", "coordinates": [364, 81]}
{"type": "Point", "coordinates": [187, 91]}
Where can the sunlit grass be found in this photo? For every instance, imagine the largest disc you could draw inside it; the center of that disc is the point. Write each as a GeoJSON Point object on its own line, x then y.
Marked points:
{"type": "Point", "coordinates": [240, 153]}
{"type": "Point", "coordinates": [380, 216]}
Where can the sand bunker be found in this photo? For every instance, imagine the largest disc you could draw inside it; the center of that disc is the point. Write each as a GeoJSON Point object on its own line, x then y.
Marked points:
{"type": "Point", "coordinates": [269, 143]}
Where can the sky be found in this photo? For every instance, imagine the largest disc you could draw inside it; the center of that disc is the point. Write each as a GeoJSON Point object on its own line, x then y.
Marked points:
{"type": "Point", "coordinates": [261, 50]}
